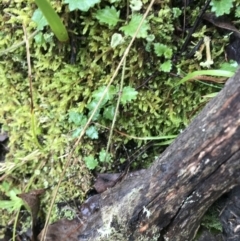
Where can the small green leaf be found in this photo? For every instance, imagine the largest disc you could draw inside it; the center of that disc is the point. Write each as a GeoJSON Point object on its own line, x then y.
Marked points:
{"type": "Point", "coordinates": [160, 49]}
{"type": "Point", "coordinates": [136, 5]}
{"type": "Point", "coordinates": [13, 195]}
{"type": "Point", "coordinates": [11, 205]}
{"type": "Point", "coordinates": [96, 115]}
{"type": "Point", "coordinates": [168, 53]}
{"type": "Point", "coordinates": [14, 203]}
{"type": "Point", "coordinates": [77, 132]}
{"type": "Point", "coordinates": [39, 19]}
{"type": "Point", "coordinates": [108, 15]}
{"type": "Point", "coordinates": [109, 112]}
{"type": "Point", "coordinates": [131, 28]}
{"type": "Point", "coordinates": [83, 5]}
{"type": "Point", "coordinates": [237, 12]}
{"type": "Point", "coordinates": [97, 94]}
{"type": "Point", "coordinates": [116, 40]}
{"type": "Point", "coordinates": [5, 186]}
{"type": "Point", "coordinates": [39, 39]}
{"type": "Point", "coordinates": [77, 118]}
{"type": "Point", "coordinates": [128, 94]}
{"type": "Point", "coordinates": [221, 7]}
{"type": "Point", "coordinates": [150, 37]}
{"type": "Point", "coordinates": [176, 12]}
{"type": "Point", "coordinates": [163, 50]}
{"type": "Point", "coordinates": [37, 172]}
{"type": "Point", "coordinates": [92, 105]}
{"type": "Point", "coordinates": [166, 66]}
{"type": "Point", "coordinates": [92, 132]}
{"type": "Point", "coordinates": [91, 162]}
{"type": "Point", "coordinates": [229, 66]}
{"type": "Point", "coordinates": [104, 156]}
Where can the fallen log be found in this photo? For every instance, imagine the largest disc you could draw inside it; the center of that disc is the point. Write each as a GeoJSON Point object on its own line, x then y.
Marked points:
{"type": "Point", "coordinates": [168, 200]}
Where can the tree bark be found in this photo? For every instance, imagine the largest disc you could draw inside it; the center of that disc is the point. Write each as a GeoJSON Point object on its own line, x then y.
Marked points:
{"type": "Point", "coordinates": [170, 198]}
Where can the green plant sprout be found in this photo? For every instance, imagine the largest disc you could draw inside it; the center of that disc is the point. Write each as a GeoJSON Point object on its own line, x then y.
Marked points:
{"type": "Point", "coordinates": [195, 74]}
{"type": "Point", "coordinates": [221, 7]}
{"type": "Point", "coordinates": [79, 120]}
{"type": "Point", "coordinates": [92, 162]}
{"type": "Point", "coordinates": [15, 203]}
{"type": "Point", "coordinates": [209, 96]}
{"type": "Point", "coordinates": [83, 5]}
{"type": "Point", "coordinates": [53, 19]}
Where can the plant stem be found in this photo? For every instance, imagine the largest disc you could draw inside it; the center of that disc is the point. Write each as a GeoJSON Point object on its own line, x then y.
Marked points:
{"type": "Point", "coordinates": [15, 46]}
{"type": "Point", "coordinates": [33, 126]}
{"type": "Point", "coordinates": [117, 106]}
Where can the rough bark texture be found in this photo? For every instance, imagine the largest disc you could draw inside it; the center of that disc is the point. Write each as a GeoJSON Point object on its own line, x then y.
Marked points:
{"type": "Point", "coordinates": [230, 216]}
{"type": "Point", "coordinates": [175, 192]}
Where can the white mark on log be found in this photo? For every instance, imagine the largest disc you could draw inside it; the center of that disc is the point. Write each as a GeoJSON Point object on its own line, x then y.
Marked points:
{"type": "Point", "coordinates": [194, 169]}
{"type": "Point", "coordinates": [163, 183]}
{"type": "Point", "coordinates": [106, 230]}
{"type": "Point", "coordinates": [181, 172]}
{"type": "Point", "coordinates": [203, 130]}
{"type": "Point", "coordinates": [236, 229]}
{"type": "Point", "coordinates": [191, 198]}
{"type": "Point", "coordinates": [145, 210]}
{"type": "Point", "coordinates": [197, 194]}
{"type": "Point", "coordinates": [207, 161]}
{"type": "Point", "coordinates": [188, 200]}
{"type": "Point", "coordinates": [234, 148]}
{"type": "Point", "coordinates": [202, 153]}
{"type": "Point", "coordinates": [184, 224]}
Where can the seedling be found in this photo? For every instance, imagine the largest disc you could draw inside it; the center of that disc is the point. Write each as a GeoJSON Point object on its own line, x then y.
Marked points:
{"type": "Point", "coordinates": [53, 19]}
{"type": "Point", "coordinates": [195, 74]}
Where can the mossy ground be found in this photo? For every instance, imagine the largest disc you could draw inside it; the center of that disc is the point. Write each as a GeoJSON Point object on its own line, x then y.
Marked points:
{"type": "Point", "coordinates": [64, 80]}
